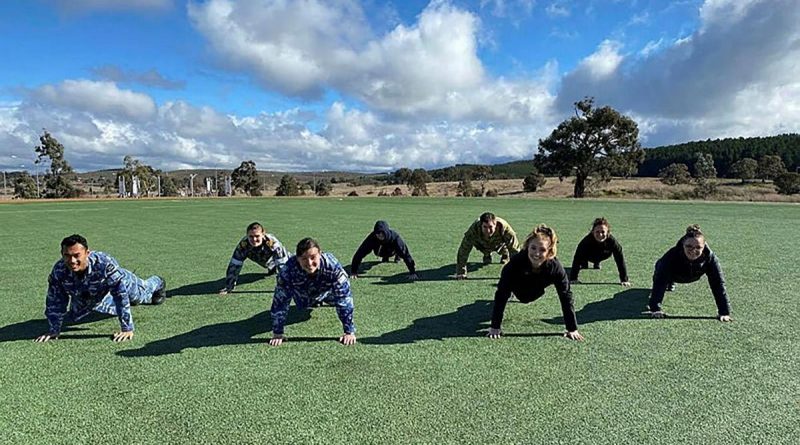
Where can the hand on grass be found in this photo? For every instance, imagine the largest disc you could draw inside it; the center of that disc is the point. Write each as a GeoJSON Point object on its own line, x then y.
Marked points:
{"type": "Point", "coordinates": [574, 281]}
{"type": "Point", "coordinates": [658, 314]}
{"type": "Point", "coordinates": [573, 335]}
{"type": "Point", "coordinates": [725, 318]}
{"type": "Point", "coordinates": [45, 337]}
{"type": "Point", "coordinates": [625, 283]}
{"type": "Point", "coordinates": [122, 336]}
{"type": "Point", "coordinates": [276, 340]}
{"type": "Point", "coordinates": [461, 276]}
{"type": "Point", "coordinates": [224, 291]}
{"type": "Point", "coordinates": [413, 277]}
{"type": "Point", "coordinates": [348, 339]}
{"type": "Point", "coordinates": [354, 276]}
{"type": "Point", "coordinates": [494, 333]}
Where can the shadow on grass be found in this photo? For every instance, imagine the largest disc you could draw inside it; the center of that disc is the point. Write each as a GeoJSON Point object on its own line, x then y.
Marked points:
{"type": "Point", "coordinates": [220, 334]}
{"type": "Point", "coordinates": [444, 273]}
{"type": "Point", "coordinates": [213, 287]}
{"type": "Point", "coordinates": [629, 304]}
{"type": "Point", "coordinates": [467, 321]}
{"type": "Point", "coordinates": [28, 330]}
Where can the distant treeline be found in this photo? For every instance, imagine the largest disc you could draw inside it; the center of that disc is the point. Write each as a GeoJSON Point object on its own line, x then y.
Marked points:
{"type": "Point", "coordinates": [725, 152]}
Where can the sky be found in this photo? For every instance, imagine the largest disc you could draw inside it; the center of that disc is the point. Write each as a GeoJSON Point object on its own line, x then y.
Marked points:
{"type": "Point", "coordinates": [372, 86]}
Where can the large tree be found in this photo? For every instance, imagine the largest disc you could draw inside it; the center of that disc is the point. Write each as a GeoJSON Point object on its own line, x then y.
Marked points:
{"type": "Point", "coordinates": [744, 169]}
{"type": "Point", "coordinates": [58, 180]}
{"type": "Point", "coordinates": [418, 182]}
{"type": "Point", "coordinates": [133, 168]}
{"type": "Point", "coordinates": [596, 143]}
{"type": "Point", "coordinates": [245, 177]}
{"type": "Point", "coordinates": [770, 167]}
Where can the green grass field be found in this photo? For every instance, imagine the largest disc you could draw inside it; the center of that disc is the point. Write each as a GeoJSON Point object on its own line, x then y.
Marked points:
{"type": "Point", "coordinates": [199, 369]}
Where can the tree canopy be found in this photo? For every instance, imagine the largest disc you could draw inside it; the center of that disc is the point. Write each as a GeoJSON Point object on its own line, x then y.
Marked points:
{"type": "Point", "coordinates": [596, 142]}
{"type": "Point", "coordinates": [58, 179]}
{"type": "Point", "coordinates": [245, 177]}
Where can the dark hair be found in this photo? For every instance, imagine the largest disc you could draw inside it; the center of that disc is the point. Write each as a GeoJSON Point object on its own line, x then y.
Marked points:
{"type": "Point", "coordinates": [255, 225]}
{"type": "Point", "coordinates": [305, 245]}
{"type": "Point", "coordinates": [601, 222]}
{"type": "Point", "coordinates": [487, 217]}
{"type": "Point", "coordinates": [72, 240]}
{"type": "Point", "coordinates": [693, 231]}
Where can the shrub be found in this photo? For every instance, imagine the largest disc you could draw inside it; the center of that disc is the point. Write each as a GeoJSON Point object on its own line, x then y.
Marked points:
{"type": "Point", "coordinates": [788, 183]}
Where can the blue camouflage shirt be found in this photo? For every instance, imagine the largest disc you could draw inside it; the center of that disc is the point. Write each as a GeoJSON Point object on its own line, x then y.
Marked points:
{"type": "Point", "coordinates": [84, 291]}
{"type": "Point", "coordinates": [270, 255]}
{"type": "Point", "coordinates": [330, 282]}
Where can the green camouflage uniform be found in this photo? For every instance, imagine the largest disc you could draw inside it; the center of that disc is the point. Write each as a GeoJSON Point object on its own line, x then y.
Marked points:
{"type": "Point", "coordinates": [503, 241]}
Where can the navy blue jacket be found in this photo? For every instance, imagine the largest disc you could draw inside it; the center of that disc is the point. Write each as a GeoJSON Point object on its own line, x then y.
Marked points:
{"type": "Point", "coordinates": [518, 277]}
{"type": "Point", "coordinates": [391, 245]}
{"type": "Point", "coordinates": [674, 267]}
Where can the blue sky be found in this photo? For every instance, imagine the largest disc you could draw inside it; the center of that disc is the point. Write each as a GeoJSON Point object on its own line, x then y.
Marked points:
{"type": "Point", "coordinates": [374, 86]}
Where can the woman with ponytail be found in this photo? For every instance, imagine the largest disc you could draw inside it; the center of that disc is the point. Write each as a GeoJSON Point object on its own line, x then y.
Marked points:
{"type": "Point", "coordinates": [527, 275]}
{"type": "Point", "coordinates": [686, 262]}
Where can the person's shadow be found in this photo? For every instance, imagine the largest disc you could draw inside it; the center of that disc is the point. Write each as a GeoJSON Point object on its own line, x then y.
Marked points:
{"type": "Point", "coordinates": [443, 273]}
{"type": "Point", "coordinates": [469, 320]}
{"type": "Point", "coordinates": [214, 286]}
{"type": "Point", "coordinates": [220, 334]}
{"type": "Point", "coordinates": [29, 330]}
{"type": "Point", "coordinates": [630, 304]}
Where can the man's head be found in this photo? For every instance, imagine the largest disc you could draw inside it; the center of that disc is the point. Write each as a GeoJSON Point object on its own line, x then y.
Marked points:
{"type": "Point", "coordinates": [308, 255]}
{"type": "Point", "coordinates": [488, 224]}
{"type": "Point", "coordinates": [255, 234]}
{"type": "Point", "coordinates": [75, 253]}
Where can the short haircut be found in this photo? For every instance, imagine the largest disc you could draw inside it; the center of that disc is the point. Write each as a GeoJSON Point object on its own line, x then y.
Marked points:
{"type": "Point", "coordinates": [305, 245]}
{"type": "Point", "coordinates": [74, 239]}
{"type": "Point", "coordinates": [487, 217]}
{"type": "Point", "coordinates": [255, 225]}
{"type": "Point", "coordinates": [601, 222]}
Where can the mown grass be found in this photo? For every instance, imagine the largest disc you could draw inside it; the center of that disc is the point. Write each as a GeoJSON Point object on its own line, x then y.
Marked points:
{"type": "Point", "coordinates": [199, 371]}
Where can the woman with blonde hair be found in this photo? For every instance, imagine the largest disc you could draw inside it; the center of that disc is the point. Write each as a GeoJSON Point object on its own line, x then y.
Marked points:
{"type": "Point", "coordinates": [686, 262]}
{"type": "Point", "coordinates": [527, 276]}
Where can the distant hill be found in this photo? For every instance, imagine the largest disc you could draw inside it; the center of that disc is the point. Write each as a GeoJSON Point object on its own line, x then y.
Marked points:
{"type": "Point", "coordinates": [725, 152]}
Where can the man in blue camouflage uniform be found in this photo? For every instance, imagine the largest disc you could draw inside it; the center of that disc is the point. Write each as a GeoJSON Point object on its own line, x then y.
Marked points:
{"type": "Point", "coordinates": [259, 246]}
{"type": "Point", "coordinates": [312, 278]}
{"type": "Point", "coordinates": [83, 281]}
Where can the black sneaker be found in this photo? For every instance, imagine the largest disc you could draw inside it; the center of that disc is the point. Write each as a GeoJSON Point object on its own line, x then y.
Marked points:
{"type": "Point", "coordinates": [396, 259]}
{"type": "Point", "coordinates": [160, 294]}
{"type": "Point", "coordinates": [487, 259]}
{"type": "Point", "coordinates": [385, 259]}
{"type": "Point", "coordinates": [596, 266]}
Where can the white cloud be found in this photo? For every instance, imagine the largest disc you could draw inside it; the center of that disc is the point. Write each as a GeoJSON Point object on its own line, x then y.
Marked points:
{"type": "Point", "coordinates": [508, 8]}
{"type": "Point", "coordinates": [602, 63]}
{"type": "Point", "coordinates": [96, 97]}
{"type": "Point", "coordinates": [715, 82]}
{"type": "Point", "coordinates": [557, 9]}
{"type": "Point", "coordinates": [180, 135]}
{"type": "Point", "coordinates": [429, 69]}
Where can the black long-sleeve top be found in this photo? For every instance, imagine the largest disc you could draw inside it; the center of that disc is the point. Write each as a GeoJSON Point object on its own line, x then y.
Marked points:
{"type": "Point", "coordinates": [391, 240]}
{"type": "Point", "coordinates": [589, 249]}
{"type": "Point", "coordinates": [519, 278]}
{"type": "Point", "coordinates": [674, 267]}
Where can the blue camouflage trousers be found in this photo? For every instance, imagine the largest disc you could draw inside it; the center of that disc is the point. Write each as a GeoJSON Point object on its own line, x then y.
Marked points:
{"type": "Point", "coordinates": [139, 292]}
